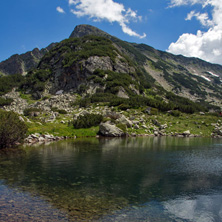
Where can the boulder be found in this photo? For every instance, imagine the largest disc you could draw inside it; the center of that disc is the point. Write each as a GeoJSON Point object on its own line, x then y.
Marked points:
{"type": "Point", "coordinates": [186, 133]}
{"type": "Point", "coordinates": [110, 130]}
{"type": "Point", "coordinates": [125, 121]}
{"type": "Point", "coordinates": [136, 126]}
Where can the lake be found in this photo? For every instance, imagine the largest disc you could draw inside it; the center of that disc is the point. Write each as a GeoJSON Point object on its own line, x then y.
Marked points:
{"type": "Point", "coordinates": [132, 179]}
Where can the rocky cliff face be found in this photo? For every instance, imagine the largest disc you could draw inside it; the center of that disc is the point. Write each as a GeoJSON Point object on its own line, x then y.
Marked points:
{"type": "Point", "coordinates": [21, 64]}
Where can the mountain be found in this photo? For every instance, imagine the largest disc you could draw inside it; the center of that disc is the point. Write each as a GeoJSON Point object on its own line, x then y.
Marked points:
{"type": "Point", "coordinates": [92, 62]}
{"type": "Point", "coordinates": [21, 64]}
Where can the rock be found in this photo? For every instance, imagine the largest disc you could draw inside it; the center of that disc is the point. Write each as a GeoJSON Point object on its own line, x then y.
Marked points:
{"type": "Point", "coordinates": [20, 118]}
{"type": "Point", "coordinates": [62, 121]}
{"type": "Point", "coordinates": [217, 131]}
{"type": "Point", "coordinates": [148, 110]}
{"type": "Point", "coordinates": [136, 126]}
{"type": "Point", "coordinates": [164, 126]}
{"type": "Point", "coordinates": [144, 126]}
{"type": "Point", "coordinates": [156, 123]}
{"type": "Point", "coordinates": [125, 121]}
{"type": "Point", "coordinates": [186, 133]}
{"type": "Point", "coordinates": [110, 130]}
{"type": "Point", "coordinates": [136, 122]}
{"type": "Point", "coordinates": [156, 133]}
{"type": "Point", "coordinates": [122, 93]}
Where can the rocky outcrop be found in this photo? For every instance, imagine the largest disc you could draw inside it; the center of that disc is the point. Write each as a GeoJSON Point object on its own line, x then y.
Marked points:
{"type": "Point", "coordinates": [61, 102]}
{"type": "Point", "coordinates": [18, 104]}
{"type": "Point", "coordinates": [110, 130]}
{"type": "Point", "coordinates": [21, 64]}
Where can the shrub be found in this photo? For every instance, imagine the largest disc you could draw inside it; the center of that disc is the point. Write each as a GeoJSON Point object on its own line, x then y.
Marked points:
{"type": "Point", "coordinates": [60, 111]}
{"type": "Point", "coordinates": [12, 129]}
{"type": "Point", "coordinates": [87, 121]}
{"type": "Point", "coordinates": [29, 111]}
{"type": "Point", "coordinates": [175, 113]}
{"type": "Point", "coordinates": [7, 83]}
{"type": "Point", "coordinates": [5, 102]}
{"type": "Point", "coordinates": [121, 126]}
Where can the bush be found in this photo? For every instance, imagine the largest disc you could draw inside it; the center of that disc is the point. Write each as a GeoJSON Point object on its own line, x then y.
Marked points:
{"type": "Point", "coordinates": [60, 111]}
{"type": "Point", "coordinates": [29, 111]}
{"type": "Point", "coordinates": [175, 113]}
{"type": "Point", "coordinates": [12, 129]}
{"type": "Point", "coordinates": [87, 121]}
{"type": "Point", "coordinates": [5, 102]}
{"type": "Point", "coordinates": [7, 83]}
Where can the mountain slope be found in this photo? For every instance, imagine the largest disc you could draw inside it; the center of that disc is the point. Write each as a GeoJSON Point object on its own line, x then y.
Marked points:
{"type": "Point", "coordinates": [92, 61]}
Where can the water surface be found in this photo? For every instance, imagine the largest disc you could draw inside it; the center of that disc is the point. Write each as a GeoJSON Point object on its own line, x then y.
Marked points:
{"type": "Point", "coordinates": [132, 179]}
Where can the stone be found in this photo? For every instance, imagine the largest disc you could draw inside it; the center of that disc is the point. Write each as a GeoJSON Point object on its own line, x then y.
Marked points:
{"type": "Point", "coordinates": [122, 93]}
{"type": "Point", "coordinates": [20, 118]}
{"type": "Point", "coordinates": [164, 126]}
{"type": "Point", "coordinates": [136, 126]}
{"type": "Point", "coordinates": [156, 133]}
{"type": "Point", "coordinates": [156, 123]}
{"type": "Point", "coordinates": [186, 133]}
{"type": "Point", "coordinates": [125, 121]}
{"type": "Point", "coordinates": [144, 126]}
{"type": "Point", "coordinates": [110, 130]}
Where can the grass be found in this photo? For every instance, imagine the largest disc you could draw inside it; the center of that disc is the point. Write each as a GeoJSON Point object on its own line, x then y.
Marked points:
{"type": "Point", "coordinates": [60, 129]}
{"type": "Point", "coordinates": [196, 123]}
{"type": "Point", "coordinates": [27, 97]}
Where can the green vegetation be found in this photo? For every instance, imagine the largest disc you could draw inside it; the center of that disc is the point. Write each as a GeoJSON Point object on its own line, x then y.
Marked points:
{"type": "Point", "coordinates": [35, 80]}
{"type": "Point", "coordinates": [12, 130]}
{"type": "Point", "coordinates": [175, 102]}
{"type": "Point", "coordinates": [60, 111]}
{"type": "Point", "coordinates": [87, 121]}
{"type": "Point", "coordinates": [5, 102]}
{"type": "Point", "coordinates": [60, 129]}
{"type": "Point", "coordinates": [75, 49]}
{"type": "Point", "coordinates": [29, 111]}
{"type": "Point", "coordinates": [7, 83]}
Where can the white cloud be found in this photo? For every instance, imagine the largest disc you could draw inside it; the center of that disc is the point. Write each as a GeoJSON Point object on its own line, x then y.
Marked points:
{"type": "Point", "coordinates": [108, 10]}
{"type": "Point", "coordinates": [206, 45]}
{"type": "Point", "coordinates": [60, 10]}
{"type": "Point", "coordinates": [202, 17]}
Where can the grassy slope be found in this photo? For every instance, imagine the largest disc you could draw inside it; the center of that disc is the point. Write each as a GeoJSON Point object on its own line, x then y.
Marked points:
{"type": "Point", "coordinates": [196, 123]}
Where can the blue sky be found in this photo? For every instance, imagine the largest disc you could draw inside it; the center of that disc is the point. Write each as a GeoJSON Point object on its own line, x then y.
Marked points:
{"type": "Point", "coordinates": [188, 27]}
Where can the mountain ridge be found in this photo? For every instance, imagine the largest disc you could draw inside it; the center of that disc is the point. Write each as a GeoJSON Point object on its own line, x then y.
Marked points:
{"type": "Point", "coordinates": [70, 64]}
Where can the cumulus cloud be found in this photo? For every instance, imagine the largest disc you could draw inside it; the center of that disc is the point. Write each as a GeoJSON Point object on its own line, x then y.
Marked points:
{"type": "Point", "coordinates": [108, 10]}
{"type": "Point", "coordinates": [60, 10]}
{"type": "Point", "coordinates": [206, 45]}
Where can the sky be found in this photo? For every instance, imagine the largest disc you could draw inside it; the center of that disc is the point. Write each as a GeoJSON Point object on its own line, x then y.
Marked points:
{"type": "Point", "coordinates": [192, 28]}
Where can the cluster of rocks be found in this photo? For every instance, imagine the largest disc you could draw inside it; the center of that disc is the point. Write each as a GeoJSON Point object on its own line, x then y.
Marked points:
{"type": "Point", "coordinates": [40, 138]}
{"type": "Point", "coordinates": [59, 101]}
{"type": "Point", "coordinates": [217, 132]}
{"type": "Point", "coordinates": [18, 104]}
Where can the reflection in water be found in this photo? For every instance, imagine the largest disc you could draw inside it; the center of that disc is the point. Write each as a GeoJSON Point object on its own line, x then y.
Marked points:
{"type": "Point", "coordinates": [201, 209]}
{"type": "Point", "coordinates": [157, 179]}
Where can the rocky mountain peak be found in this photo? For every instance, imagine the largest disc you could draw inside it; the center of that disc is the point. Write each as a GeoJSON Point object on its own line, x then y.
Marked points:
{"type": "Point", "coordinates": [83, 30]}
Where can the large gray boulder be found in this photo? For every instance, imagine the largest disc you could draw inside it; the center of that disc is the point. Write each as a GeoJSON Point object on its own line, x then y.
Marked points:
{"type": "Point", "coordinates": [110, 130]}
